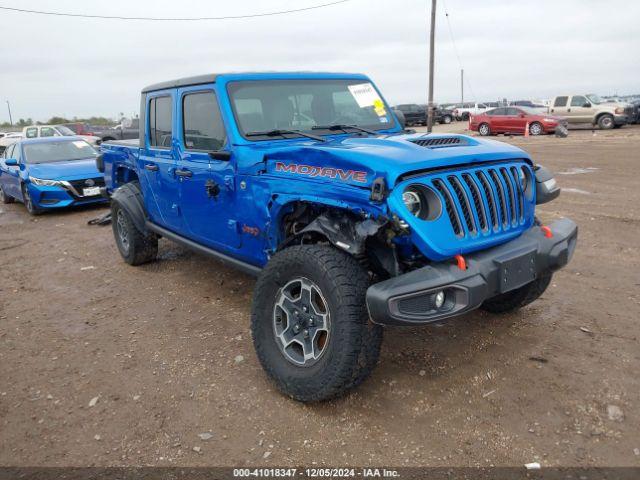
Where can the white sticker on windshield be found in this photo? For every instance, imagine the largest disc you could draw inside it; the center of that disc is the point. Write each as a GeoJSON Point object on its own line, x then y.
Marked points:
{"type": "Point", "coordinates": [365, 95]}
{"type": "Point", "coordinates": [79, 143]}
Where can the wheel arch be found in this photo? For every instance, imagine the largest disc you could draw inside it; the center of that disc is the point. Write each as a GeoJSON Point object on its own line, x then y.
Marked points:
{"type": "Point", "coordinates": [129, 198]}
{"type": "Point", "coordinates": [600, 115]}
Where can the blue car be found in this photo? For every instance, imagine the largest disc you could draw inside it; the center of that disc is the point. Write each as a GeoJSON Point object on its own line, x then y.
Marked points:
{"type": "Point", "coordinates": [48, 173]}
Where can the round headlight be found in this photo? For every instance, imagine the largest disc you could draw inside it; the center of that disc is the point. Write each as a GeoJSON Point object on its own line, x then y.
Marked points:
{"type": "Point", "coordinates": [413, 202]}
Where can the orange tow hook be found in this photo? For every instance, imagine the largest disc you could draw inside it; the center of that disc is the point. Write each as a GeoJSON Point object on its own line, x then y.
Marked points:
{"type": "Point", "coordinates": [547, 231]}
{"type": "Point", "coordinates": [462, 263]}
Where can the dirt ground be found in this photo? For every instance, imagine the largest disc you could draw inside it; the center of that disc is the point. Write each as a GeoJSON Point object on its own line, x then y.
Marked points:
{"type": "Point", "coordinates": [106, 364]}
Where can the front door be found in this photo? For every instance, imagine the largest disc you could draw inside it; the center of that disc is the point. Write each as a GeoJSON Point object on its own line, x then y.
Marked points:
{"type": "Point", "coordinates": [580, 109]}
{"type": "Point", "coordinates": [517, 120]}
{"type": "Point", "coordinates": [207, 185]}
{"type": "Point", "coordinates": [158, 162]}
{"type": "Point", "coordinates": [10, 178]}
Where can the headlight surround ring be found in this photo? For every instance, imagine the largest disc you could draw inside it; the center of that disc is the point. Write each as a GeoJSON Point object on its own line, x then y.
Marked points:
{"type": "Point", "coordinates": [422, 202]}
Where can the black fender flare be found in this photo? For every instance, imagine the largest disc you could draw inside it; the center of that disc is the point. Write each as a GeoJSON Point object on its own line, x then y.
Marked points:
{"type": "Point", "coordinates": [129, 198]}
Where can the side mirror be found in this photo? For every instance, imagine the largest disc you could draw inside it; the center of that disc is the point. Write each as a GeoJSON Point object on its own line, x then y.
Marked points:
{"type": "Point", "coordinates": [220, 155]}
{"type": "Point", "coordinates": [586, 105]}
{"type": "Point", "coordinates": [522, 115]}
{"type": "Point", "coordinates": [401, 118]}
{"type": "Point", "coordinates": [11, 162]}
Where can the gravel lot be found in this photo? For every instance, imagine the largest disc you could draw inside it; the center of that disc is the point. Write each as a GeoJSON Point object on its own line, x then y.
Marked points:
{"type": "Point", "coordinates": [105, 364]}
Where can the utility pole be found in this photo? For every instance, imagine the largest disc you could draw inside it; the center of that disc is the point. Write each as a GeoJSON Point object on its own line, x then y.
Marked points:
{"type": "Point", "coordinates": [462, 85]}
{"type": "Point", "coordinates": [431, 64]}
{"type": "Point", "coordinates": [9, 108]}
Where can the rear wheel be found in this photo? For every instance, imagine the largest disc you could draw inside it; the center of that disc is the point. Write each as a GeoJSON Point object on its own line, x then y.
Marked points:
{"type": "Point", "coordinates": [310, 325]}
{"type": "Point", "coordinates": [518, 298]}
{"type": "Point", "coordinates": [4, 198]}
{"type": "Point", "coordinates": [536, 129]}
{"type": "Point", "coordinates": [606, 122]}
{"type": "Point", "coordinates": [484, 129]}
{"type": "Point", "coordinates": [135, 247]}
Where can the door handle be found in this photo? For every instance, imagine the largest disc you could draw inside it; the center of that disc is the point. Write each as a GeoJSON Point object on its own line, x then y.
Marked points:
{"type": "Point", "coordinates": [184, 173]}
{"type": "Point", "coordinates": [568, 109]}
{"type": "Point", "coordinates": [151, 167]}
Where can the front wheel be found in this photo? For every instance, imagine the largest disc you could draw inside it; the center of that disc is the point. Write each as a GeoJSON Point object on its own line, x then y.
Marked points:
{"type": "Point", "coordinates": [135, 247]}
{"type": "Point", "coordinates": [606, 122]}
{"type": "Point", "coordinates": [518, 298]}
{"type": "Point", "coordinates": [446, 119]}
{"type": "Point", "coordinates": [536, 129]}
{"type": "Point", "coordinates": [310, 325]}
{"type": "Point", "coordinates": [484, 129]}
{"type": "Point", "coordinates": [28, 201]}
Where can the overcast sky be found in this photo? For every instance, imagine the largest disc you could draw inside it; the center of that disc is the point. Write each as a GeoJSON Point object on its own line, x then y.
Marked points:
{"type": "Point", "coordinates": [81, 67]}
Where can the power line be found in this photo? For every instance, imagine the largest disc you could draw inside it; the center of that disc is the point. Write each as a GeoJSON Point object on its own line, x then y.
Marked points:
{"type": "Point", "coordinates": [455, 48]}
{"type": "Point", "coordinates": [159, 19]}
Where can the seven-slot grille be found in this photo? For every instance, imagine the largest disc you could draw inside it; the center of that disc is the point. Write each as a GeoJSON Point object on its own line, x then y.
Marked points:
{"type": "Point", "coordinates": [483, 200]}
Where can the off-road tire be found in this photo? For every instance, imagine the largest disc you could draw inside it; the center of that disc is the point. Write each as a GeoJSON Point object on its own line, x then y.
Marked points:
{"type": "Point", "coordinates": [353, 343]}
{"type": "Point", "coordinates": [510, 301]}
{"type": "Point", "coordinates": [28, 202]}
{"type": "Point", "coordinates": [606, 122]}
{"type": "Point", "coordinates": [140, 248]}
{"type": "Point", "coordinates": [484, 129]}
{"type": "Point", "coordinates": [4, 198]}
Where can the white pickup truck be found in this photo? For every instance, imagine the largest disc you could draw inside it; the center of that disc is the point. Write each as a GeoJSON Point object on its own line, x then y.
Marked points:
{"type": "Point", "coordinates": [463, 111]}
{"type": "Point", "coordinates": [35, 131]}
{"type": "Point", "coordinates": [589, 108]}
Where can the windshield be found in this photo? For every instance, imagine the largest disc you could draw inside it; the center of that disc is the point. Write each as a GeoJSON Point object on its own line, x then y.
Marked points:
{"type": "Point", "coordinates": [65, 131]}
{"type": "Point", "coordinates": [58, 151]}
{"type": "Point", "coordinates": [594, 98]}
{"type": "Point", "coordinates": [263, 106]}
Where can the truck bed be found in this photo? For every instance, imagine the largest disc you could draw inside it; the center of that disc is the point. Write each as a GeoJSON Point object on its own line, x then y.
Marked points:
{"type": "Point", "coordinates": [119, 158]}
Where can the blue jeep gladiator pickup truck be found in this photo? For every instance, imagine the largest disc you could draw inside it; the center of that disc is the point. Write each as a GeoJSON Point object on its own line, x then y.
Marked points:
{"type": "Point", "coordinates": [350, 222]}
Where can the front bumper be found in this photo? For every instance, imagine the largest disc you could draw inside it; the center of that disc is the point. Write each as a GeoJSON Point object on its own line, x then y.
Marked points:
{"type": "Point", "coordinates": [408, 298]}
{"type": "Point", "coordinates": [620, 119]}
{"type": "Point", "coordinates": [46, 197]}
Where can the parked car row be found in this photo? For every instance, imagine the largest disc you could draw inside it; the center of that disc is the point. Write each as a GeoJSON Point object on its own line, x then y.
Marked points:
{"type": "Point", "coordinates": [415, 114]}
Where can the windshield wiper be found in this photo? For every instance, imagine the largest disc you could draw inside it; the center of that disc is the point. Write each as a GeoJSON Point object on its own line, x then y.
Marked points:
{"type": "Point", "coordinates": [283, 133]}
{"type": "Point", "coordinates": [344, 128]}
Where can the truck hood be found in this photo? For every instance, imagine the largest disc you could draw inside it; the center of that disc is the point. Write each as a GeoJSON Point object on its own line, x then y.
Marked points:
{"type": "Point", "coordinates": [65, 170]}
{"type": "Point", "coordinates": [360, 160]}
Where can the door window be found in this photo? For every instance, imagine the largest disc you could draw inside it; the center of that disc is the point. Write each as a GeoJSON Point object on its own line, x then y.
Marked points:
{"type": "Point", "coordinates": [47, 132]}
{"type": "Point", "coordinates": [9, 151]}
{"type": "Point", "coordinates": [202, 122]}
{"type": "Point", "coordinates": [512, 112]}
{"type": "Point", "coordinates": [578, 101]}
{"type": "Point", "coordinates": [32, 132]}
{"type": "Point", "coordinates": [560, 102]}
{"type": "Point", "coordinates": [160, 122]}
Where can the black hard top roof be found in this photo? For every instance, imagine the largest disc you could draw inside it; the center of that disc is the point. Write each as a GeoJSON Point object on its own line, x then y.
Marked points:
{"type": "Point", "coordinates": [182, 82]}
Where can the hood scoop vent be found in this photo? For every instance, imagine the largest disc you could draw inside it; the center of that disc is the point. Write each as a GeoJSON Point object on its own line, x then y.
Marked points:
{"type": "Point", "coordinates": [439, 142]}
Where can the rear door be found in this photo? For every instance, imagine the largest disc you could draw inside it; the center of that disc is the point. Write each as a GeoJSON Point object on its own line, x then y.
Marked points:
{"type": "Point", "coordinates": [158, 161]}
{"type": "Point", "coordinates": [207, 185]}
{"type": "Point", "coordinates": [560, 107]}
{"type": "Point", "coordinates": [496, 117]}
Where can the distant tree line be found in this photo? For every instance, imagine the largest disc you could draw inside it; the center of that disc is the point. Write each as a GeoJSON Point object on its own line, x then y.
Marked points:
{"type": "Point", "coordinates": [103, 121]}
